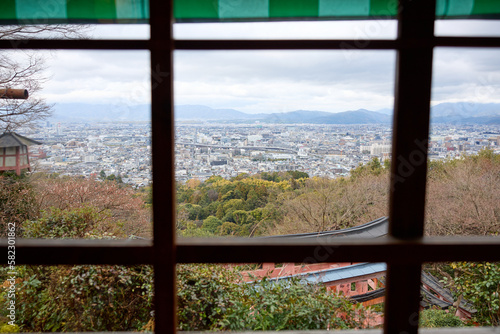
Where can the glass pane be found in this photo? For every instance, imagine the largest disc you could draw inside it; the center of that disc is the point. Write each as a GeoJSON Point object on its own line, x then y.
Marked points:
{"type": "Point", "coordinates": [361, 31]}
{"type": "Point", "coordinates": [283, 296]}
{"type": "Point", "coordinates": [10, 150]}
{"type": "Point", "coordinates": [1, 161]}
{"type": "Point", "coordinates": [75, 31]}
{"type": "Point", "coordinates": [93, 168]}
{"type": "Point", "coordinates": [10, 161]}
{"type": "Point", "coordinates": [463, 179]}
{"type": "Point", "coordinates": [77, 298]}
{"type": "Point", "coordinates": [480, 28]}
{"type": "Point", "coordinates": [269, 143]}
{"type": "Point", "coordinates": [460, 294]}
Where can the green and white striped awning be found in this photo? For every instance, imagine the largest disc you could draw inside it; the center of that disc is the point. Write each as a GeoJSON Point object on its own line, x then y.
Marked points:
{"type": "Point", "coordinates": [137, 11]}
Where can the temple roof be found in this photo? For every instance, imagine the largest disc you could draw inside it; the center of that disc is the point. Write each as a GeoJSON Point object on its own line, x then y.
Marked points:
{"type": "Point", "coordinates": [375, 229]}
{"type": "Point", "coordinates": [12, 139]}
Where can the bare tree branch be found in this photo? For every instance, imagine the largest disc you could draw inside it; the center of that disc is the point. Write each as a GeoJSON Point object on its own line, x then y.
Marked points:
{"type": "Point", "coordinates": [26, 70]}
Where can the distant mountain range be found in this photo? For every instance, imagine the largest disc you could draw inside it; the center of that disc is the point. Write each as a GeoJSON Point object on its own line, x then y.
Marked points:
{"type": "Point", "coordinates": [455, 113]}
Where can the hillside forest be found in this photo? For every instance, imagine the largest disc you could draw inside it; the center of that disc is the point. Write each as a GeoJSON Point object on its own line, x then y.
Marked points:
{"type": "Point", "coordinates": [462, 199]}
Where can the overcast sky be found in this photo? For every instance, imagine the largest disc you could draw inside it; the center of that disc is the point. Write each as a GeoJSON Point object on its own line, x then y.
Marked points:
{"type": "Point", "coordinates": [274, 81]}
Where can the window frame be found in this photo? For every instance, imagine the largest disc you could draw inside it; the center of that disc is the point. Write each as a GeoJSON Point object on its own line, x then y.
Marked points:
{"type": "Point", "coordinates": [414, 45]}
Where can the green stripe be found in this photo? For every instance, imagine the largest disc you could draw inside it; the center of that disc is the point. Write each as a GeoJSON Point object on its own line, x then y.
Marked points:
{"type": "Point", "coordinates": [7, 9]}
{"type": "Point", "coordinates": [196, 9]}
{"type": "Point", "coordinates": [243, 9]}
{"type": "Point", "coordinates": [486, 7]}
{"type": "Point", "coordinates": [384, 8]}
{"type": "Point", "coordinates": [40, 10]}
{"type": "Point", "coordinates": [460, 7]}
{"type": "Point", "coordinates": [131, 9]}
{"type": "Point", "coordinates": [92, 9]}
{"type": "Point", "coordinates": [293, 8]}
{"type": "Point", "coordinates": [343, 8]}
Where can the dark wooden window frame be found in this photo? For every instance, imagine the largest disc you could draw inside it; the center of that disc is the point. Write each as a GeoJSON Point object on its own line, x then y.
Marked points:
{"type": "Point", "coordinates": [404, 250]}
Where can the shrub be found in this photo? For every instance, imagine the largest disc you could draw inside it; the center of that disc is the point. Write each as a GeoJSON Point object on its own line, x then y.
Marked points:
{"type": "Point", "coordinates": [83, 298]}
{"type": "Point", "coordinates": [215, 298]}
{"type": "Point", "coordinates": [435, 317]}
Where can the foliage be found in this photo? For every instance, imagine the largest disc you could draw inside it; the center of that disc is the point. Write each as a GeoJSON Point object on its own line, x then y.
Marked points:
{"type": "Point", "coordinates": [462, 196]}
{"type": "Point", "coordinates": [281, 203]}
{"type": "Point", "coordinates": [17, 202]}
{"type": "Point", "coordinates": [83, 298]}
{"type": "Point", "coordinates": [321, 204]}
{"type": "Point", "coordinates": [9, 328]}
{"type": "Point", "coordinates": [57, 223]}
{"type": "Point", "coordinates": [204, 294]}
{"type": "Point", "coordinates": [281, 176]}
{"type": "Point", "coordinates": [97, 298]}
{"type": "Point", "coordinates": [126, 207]}
{"type": "Point", "coordinates": [436, 318]}
{"type": "Point", "coordinates": [245, 205]}
{"type": "Point", "coordinates": [212, 224]}
{"type": "Point", "coordinates": [290, 305]}
{"type": "Point", "coordinates": [373, 167]}
{"type": "Point", "coordinates": [478, 283]}
{"type": "Point", "coordinates": [214, 297]}
{"type": "Point", "coordinates": [113, 177]}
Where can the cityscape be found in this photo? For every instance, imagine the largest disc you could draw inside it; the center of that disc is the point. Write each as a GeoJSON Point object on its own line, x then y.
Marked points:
{"type": "Point", "coordinates": [206, 149]}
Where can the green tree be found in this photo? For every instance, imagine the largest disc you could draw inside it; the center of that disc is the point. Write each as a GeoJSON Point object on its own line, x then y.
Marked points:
{"type": "Point", "coordinates": [113, 177]}
{"type": "Point", "coordinates": [298, 174]}
{"type": "Point", "coordinates": [242, 217]}
{"type": "Point", "coordinates": [211, 224]}
{"type": "Point", "coordinates": [373, 167]}
{"type": "Point", "coordinates": [220, 211]}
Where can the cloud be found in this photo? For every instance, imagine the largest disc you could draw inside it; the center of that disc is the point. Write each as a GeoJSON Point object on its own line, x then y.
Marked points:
{"type": "Point", "coordinates": [99, 77]}
{"type": "Point", "coordinates": [466, 74]}
{"type": "Point", "coordinates": [273, 81]}
{"type": "Point", "coordinates": [323, 80]}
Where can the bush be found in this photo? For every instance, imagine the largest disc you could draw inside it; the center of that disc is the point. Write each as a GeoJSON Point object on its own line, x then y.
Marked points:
{"type": "Point", "coordinates": [435, 317]}
{"type": "Point", "coordinates": [17, 203]}
{"type": "Point", "coordinates": [83, 298]}
{"type": "Point", "coordinates": [290, 305]}
{"type": "Point", "coordinates": [215, 298]}
{"type": "Point", "coordinates": [57, 223]}
{"type": "Point", "coordinates": [9, 329]}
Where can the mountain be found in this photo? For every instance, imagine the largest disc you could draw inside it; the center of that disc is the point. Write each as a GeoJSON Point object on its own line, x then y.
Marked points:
{"type": "Point", "coordinates": [459, 113]}
{"type": "Point", "coordinates": [198, 112]}
{"type": "Point", "coordinates": [361, 116]}
{"type": "Point", "coordinates": [88, 113]}
{"type": "Point", "coordinates": [299, 116]}
{"type": "Point", "coordinates": [465, 112]}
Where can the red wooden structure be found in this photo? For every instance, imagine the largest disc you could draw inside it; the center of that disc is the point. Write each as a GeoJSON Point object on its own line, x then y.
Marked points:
{"type": "Point", "coordinates": [14, 154]}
